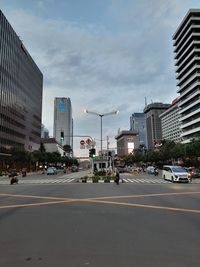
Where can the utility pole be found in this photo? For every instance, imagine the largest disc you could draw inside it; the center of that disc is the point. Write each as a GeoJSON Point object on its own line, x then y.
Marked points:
{"type": "Point", "coordinates": [107, 143]}
{"type": "Point", "coordinates": [101, 116]}
{"type": "Point", "coordinates": [72, 138]}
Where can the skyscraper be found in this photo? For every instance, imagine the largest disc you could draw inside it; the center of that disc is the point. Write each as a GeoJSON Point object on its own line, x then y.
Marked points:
{"type": "Point", "coordinates": [63, 120]}
{"type": "Point", "coordinates": [187, 56]}
{"type": "Point", "coordinates": [153, 122]}
{"type": "Point", "coordinates": [21, 84]}
{"type": "Point", "coordinates": [137, 124]}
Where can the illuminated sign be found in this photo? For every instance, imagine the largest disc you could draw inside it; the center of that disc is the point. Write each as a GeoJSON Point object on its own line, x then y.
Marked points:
{"type": "Point", "coordinates": [130, 147]}
{"type": "Point", "coordinates": [61, 105]}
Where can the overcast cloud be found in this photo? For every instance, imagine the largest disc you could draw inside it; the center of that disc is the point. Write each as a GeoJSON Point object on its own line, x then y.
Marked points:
{"type": "Point", "coordinates": [104, 55]}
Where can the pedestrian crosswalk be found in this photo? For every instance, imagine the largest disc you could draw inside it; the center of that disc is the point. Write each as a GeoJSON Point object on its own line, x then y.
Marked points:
{"type": "Point", "coordinates": [138, 180]}
{"type": "Point", "coordinates": [145, 180]}
{"type": "Point", "coordinates": [39, 181]}
{"type": "Point", "coordinates": [152, 181]}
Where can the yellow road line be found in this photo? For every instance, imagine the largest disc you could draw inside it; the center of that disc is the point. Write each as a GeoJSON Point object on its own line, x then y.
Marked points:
{"type": "Point", "coordinates": [143, 206]}
{"type": "Point", "coordinates": [106, 197]}
{"type": "Point", "coordinates": [33, 196]}
{"type": "Point", "coordinates": [147, 195]}
{"type": "Point", "coordinates": [100, 200]}
{"type": "Point", "coordinates": [36, 204]}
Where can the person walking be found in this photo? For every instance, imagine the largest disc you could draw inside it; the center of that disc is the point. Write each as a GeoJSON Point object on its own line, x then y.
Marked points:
{"type": "Point", "coordinates": [117, 177]}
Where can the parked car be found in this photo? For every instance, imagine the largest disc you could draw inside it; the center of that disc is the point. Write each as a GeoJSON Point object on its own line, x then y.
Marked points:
{"type": "Point", "coordinates": [175, 174]}
{"type": "Point", "coordinates": [55, 170]}
{"type": "Point", "coordinates": [51, 171]}
{"type": "Point", "coordinates": [150, 169]}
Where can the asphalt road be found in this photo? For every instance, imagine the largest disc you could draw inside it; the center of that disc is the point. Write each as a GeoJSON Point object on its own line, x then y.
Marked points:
{"type": "Point", "coordinates": [100, 225]}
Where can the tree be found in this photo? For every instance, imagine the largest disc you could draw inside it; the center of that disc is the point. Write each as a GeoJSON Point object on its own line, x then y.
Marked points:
{"type": "Point", "coordinates": [67, 148]}
{"type": "Point", "coordinates": [42, 148]}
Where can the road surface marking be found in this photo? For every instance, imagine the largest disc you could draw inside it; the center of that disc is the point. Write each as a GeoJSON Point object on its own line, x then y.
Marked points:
{"type": "Point", "coordinates": [146, 195]}
{"type": "Point", "coordinates": [35, 204]}
{"type": "Point", "coordinates": [101, 200]}
{"type": "Point", "coordinates": [143, 206]}
{"type": "Point", "coordinates": [33, 196]}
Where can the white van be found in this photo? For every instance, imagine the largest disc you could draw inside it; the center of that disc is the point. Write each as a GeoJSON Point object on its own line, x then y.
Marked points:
{"type": "Point", "coordinates": [175, 174]}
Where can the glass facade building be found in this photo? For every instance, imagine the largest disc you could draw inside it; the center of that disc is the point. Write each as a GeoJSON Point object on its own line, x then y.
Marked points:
{"type": "Point", "coordinates": [21, 84]}
{"type": "Point", "coordinates": [63, 120]}
{"type": "Point", "coordinates": [137, 124]}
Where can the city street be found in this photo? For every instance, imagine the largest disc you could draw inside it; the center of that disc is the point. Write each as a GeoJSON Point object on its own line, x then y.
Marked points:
{"type": "Point", "coordinates": [39, 178]}
{"type": "Point", "coordinates": [73, 177]}
{"type": "Point", "coordinates": [75, 224]}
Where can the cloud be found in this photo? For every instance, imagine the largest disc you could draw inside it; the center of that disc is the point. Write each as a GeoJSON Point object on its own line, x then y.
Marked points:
{"type": "Point", "coordinates": [104, 68]}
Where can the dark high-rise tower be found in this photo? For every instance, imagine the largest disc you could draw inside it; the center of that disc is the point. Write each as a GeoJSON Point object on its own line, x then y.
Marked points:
{"type": "Point", "coordinates": [153, 123]}
{"type": "Point", "coordinates": [21, 84]}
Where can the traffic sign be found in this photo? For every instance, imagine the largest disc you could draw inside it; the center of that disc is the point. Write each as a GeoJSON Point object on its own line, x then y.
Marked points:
{"type": "Point", "coordinates": [88, 141]}
{"type": "Point", "coordinates": [82, 142]}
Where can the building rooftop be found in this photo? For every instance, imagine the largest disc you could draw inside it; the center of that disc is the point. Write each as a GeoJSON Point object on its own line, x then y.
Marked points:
{"type": "Point", "coordinates": [125, 132]}
{"type": "Point", "coordinates": [156, 105]}
{"type": "Point", "coordinates": [183, 22]}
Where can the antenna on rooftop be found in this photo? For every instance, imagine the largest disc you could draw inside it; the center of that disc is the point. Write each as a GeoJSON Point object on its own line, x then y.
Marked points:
{"type": "Point", "coordinates": [145, 101]}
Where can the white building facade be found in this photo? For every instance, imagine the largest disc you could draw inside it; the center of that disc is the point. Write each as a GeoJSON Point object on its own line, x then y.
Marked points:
{"type": "Point", "coordinates": [187, 56]}
{"type": "Point", "coordinates": [51, 145]}
{"type": "Point", "coordinates": [170, 123]}
{"type": "Point", "coordinates": [63, 120]}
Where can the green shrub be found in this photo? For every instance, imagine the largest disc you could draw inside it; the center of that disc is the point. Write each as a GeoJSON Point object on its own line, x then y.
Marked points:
{"type": "Point", "coordinates": [84, 179]}
{"type": "Point", "coordinates": [100, 173]}
{"type": "Point", "coordinates": [95, 179]}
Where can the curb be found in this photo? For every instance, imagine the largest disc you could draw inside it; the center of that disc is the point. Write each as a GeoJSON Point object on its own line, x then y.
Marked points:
{"type": "Point", "coordinates": [99, 182]}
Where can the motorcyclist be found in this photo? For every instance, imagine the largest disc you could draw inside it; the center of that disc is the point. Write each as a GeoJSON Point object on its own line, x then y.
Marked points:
{"type": "Point", "coordinates": [13, 177]}
{"type": "Point", "coordinates": [155, 171]}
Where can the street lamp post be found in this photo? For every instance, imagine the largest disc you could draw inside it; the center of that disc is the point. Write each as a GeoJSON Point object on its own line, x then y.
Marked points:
{"type": "Point", "coordinates": [101, 115]}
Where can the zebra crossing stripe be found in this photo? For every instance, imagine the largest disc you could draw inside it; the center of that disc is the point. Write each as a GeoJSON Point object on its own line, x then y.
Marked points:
{"type": "Point", "coordinates": [69, 180]}
{"type": "Point", "coordinates": [39, 181]}
{"type": "Point", "coordinates": [138, 180]}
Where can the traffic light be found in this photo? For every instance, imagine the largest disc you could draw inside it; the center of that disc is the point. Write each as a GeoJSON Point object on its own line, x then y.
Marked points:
{"type": "Point", "coordinates": [92, 153]}
{"type": "Point", "coordinates": [61, 135]}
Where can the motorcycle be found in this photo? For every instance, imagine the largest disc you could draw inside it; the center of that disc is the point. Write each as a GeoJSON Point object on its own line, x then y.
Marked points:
{"type": "Point", "coordinates": [13, 180]}
{"type": "Point", "coordinates": [13, 177]}
{"type": "Point", "coordinates": [156, 172]}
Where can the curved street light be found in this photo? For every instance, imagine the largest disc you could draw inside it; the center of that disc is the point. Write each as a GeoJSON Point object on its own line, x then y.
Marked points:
{"type": "Point", "coordinates": [101, 115]}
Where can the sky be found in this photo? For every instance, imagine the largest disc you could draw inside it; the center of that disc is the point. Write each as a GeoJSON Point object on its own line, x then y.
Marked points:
{"type": "Point", "coordinates": [105, 55]}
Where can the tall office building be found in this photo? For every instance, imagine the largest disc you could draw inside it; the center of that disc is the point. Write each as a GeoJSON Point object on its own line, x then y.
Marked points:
{"type": "Point", "coordinates": [63, 120]}
{"type": "Point", "coordinates": [153, 123]}
{"type": "Point", "coordinates": [187, 56]}
{"type": "Point", "coordinates": [170, 122]}
{"type": "Point", "coordinates": [21, 84]}
{"type": "Point", "coordinates": [137, 124]}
